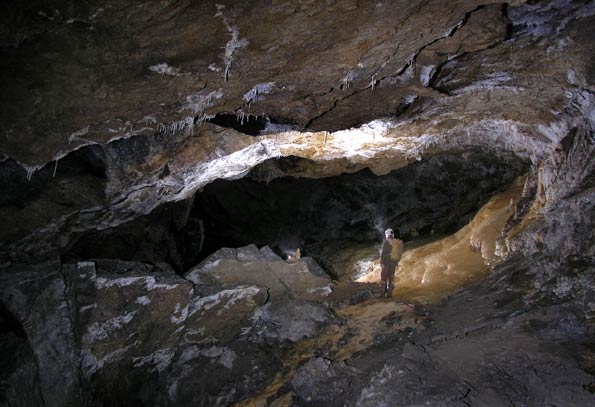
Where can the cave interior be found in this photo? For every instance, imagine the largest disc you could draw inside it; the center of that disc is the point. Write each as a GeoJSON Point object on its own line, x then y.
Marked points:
{"type": "Point", "coordinates": [195, 194]}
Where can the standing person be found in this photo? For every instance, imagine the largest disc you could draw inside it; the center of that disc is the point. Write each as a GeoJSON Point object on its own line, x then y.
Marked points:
{"type": "Point", "coordinates": [390, 255]}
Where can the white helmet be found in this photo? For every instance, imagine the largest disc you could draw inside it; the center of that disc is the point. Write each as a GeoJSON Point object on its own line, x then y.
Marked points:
{"type": "Point", "coordinates": [389, 232]}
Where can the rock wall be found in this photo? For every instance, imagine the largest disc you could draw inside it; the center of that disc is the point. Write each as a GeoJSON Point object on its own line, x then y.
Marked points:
{"type": "Point", "coordinates": [109, 332]}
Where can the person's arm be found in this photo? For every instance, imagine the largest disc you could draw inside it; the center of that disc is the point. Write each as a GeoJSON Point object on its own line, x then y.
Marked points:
{"type": "Point", "coordinates": [399, 244]}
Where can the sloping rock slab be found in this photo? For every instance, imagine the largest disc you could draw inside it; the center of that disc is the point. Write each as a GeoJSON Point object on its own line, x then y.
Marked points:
{"type": "Point", "coordinates": [215, 365]}
{"type": "Point", "coordinates": [319, 381]}
{"type": "Point", "coordinates": [221, 317]}
{"type": "Point", "coordinates": [303, 279]}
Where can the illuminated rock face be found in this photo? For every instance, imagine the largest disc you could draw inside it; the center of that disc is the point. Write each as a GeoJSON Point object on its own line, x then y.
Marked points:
{"type": "Point", "coordinates": [153, 134]}
{"type": "Point", "coordinates": [307, 64]}
{"type": "Point", "coordinates": [433, 271]}
{"type": "Point", "coordinates": [447, 79]}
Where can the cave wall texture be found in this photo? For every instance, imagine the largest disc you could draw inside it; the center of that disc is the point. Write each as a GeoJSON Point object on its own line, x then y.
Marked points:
{"type": "Point", "coordinates": [137, 138]}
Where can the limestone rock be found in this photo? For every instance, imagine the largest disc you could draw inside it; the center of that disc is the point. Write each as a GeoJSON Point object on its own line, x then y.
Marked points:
{"type": "Point", "coordinates": [214, 363]}
{"type": "Point", "coordinates": [164, 235]}
{"type": "Point", "coordinates": [109, 111]}
{"type": "Point", "coordinates": [218, 375]}
{"type": "Point", "coordinates": [138, 319]}
{"type": "Point", "coordinates": [290, 320]}
{"type": "Point", "coordinates": [20, 374]}
{"type": "Point", "coordinates": [123, 318]}
{"type": "Point", "coordinates": [249, 265]}
{"type": "Point", "coordinates": [223, 316]}
{"type": "Point", "coordinates": [130, 318]}
{"type": "Point", "coordinates": [284, 66]}
{"type": "Point", "coordinates": [407, 81]}
{"type": "Point", "coordinates": [320, 381]}
{"type": "Point", "coordinates": [472, 363]}
{"type": "Point", "coordinates": [327, 217]}
{"type": "Point", "coordinates": [36, 296]}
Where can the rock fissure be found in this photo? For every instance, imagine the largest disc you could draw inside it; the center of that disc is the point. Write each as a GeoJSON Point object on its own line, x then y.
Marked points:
{"type": "Point", "coordinates": [411, 65]}
{"type": "Point", "coordinates": [69, 289]}
{"type": "Point", "coordinates": [408, 65]}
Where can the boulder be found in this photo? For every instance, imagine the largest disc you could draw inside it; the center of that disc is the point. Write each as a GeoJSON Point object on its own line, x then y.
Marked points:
{"type": "Point", "coordinates": [302, 279]}
{"type": "Point", "coordinates": [120, 332]}
{"type": "Point", "coordinates": [214, 364]}
{"type": "Point", "coordinates": [129, 319]}
{"type": "Point", "coordinates": [142, 329]}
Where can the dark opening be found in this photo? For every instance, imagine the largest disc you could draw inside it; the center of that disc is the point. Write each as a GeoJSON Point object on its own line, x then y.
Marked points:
{"type": "Point", "coordinates": [32, 200]}
{"type": "Point", "coordinates": [8, 323]}
{"type": "Point", "coordinates": [320, 216]}
{"type": "Point", "coordinates": [19, 375]}
{"type": "Point", "coordinates": [248, 124]}
{"type": "Point", "coordinates": [438, 195]}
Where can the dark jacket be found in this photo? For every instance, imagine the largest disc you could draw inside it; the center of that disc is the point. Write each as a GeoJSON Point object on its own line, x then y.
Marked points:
{"type": "Point", "coordinates": [387, 245]}
{"type": "Point", "coordinates": [385, 260]}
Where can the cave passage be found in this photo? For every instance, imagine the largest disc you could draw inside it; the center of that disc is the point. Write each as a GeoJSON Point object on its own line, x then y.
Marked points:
{"type": "Point", "coordinates": [438, 195]}
{"type": "Point", "coordinates": [320, 216]}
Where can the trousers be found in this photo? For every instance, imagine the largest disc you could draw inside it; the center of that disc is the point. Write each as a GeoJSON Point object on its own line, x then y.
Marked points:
{"type": "Point", "coordinates": [387, 277]}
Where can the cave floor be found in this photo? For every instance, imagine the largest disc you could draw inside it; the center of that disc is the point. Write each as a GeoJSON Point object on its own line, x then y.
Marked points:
{"type": "Point", "coordinates": [455, 332]}
{"type": "Point", "coordinates": [482, 346]}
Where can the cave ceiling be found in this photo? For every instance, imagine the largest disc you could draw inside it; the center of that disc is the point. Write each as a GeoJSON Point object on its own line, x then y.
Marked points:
{"type": "Point", "coordinates": [90, 72]}
{"type": "Point", "coordinates": [339, 85]}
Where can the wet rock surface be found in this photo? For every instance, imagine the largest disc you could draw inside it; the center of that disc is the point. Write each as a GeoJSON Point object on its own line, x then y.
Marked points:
{"type": "Point", "coordinates": [477, 351]}
{"type": "Point", "coordinates": [524, 330]}
{"type": "Point", "coordinates": [483, 346]}
{"type": "Point", "coordinates": [245, 327]}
